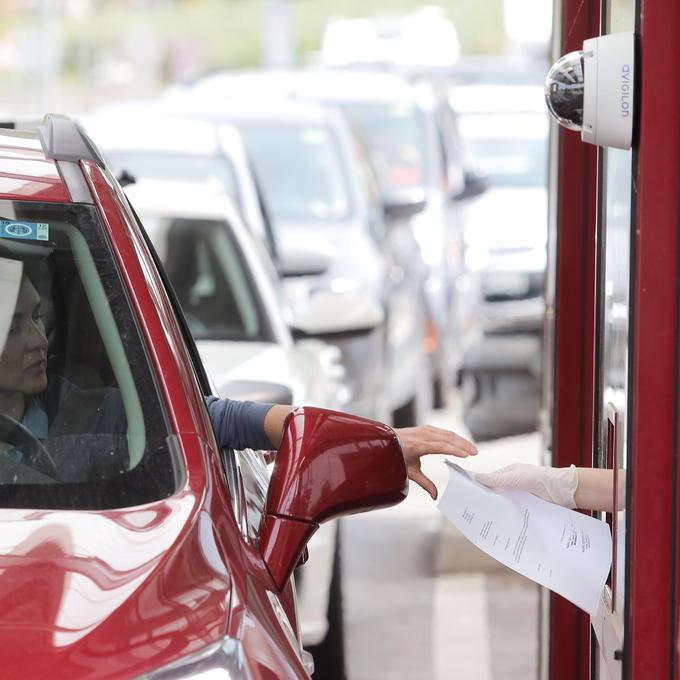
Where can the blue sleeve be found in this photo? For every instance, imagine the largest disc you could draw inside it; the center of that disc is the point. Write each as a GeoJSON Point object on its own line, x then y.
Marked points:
{"type": "Point", "coordinates": [239, 424]}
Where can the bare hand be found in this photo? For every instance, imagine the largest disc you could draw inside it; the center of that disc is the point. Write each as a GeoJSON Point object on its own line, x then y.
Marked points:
{"type": "Point", "coordinates": [417, 442]}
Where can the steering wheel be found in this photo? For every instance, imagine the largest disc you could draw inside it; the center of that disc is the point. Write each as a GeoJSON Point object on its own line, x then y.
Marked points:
{"type": "Point", "coordinates": [35, 453]}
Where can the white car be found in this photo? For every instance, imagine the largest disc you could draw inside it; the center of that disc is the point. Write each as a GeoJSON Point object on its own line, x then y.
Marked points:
{"type": "Point", "coordinates": [322, 188]}
{"type": "Point", "coordinates": [230, 294]}
{"type": "Point", "coordinates": [166, 140]}
{"type": "Point", "coordinates": [424, 37]}
{"type": "Point", "coordinates": [148, 145]}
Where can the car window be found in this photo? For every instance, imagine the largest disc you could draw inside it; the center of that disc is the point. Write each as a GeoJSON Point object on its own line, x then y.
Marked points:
{"type": "Point", "coordinates": [394, 135]}
{"type": "Point", "coordinates": [81, 421]}
{"type": "Point", "coordinates": [268, 267]}
{"type": "Point", "coordinates": [513, 150]}
{"type": "Point", "coordinates": [301, 171]}
{"type": "Point", "coordinates": [210, 278]}
{"type": "Point", "coordinates": [371, 185]}
{"type": "Point", "coordinates": [184, 167]}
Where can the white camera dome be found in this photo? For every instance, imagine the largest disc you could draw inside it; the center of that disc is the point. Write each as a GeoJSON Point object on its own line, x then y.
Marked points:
{"type": "Point", "coordinates": [564, 90]}
{"type": "Point", "coordinates": [592, 90]}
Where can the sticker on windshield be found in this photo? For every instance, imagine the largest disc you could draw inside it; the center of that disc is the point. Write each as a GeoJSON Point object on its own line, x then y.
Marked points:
{"type": "Point", "coordinates": [28, 231]}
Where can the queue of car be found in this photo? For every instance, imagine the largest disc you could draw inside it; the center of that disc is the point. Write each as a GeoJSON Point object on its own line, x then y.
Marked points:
{"type": "Point", "coordinates": [338, 253]}
{"type": "Point", "coordinates": [152, 552]}
{"type": "Point", "coordinates": [232, 298]}
{"type": "Point", "coordinates": [506, 128]}
{"type": "Point", "coordinates": [330, 272]}
{"type": "Point", "coordinates": [399, 127]}
{"type": "Point", "coordinates": [344, 239]}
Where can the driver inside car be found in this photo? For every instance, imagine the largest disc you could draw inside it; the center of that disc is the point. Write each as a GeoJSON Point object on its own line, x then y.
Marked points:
{"type": "Point", "coordinates": [34, 406]}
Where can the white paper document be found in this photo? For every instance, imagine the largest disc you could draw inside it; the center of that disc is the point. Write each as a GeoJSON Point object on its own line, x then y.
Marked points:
{"type": "Point", "coordinates": [10, 279]}
{"type": "Point", "coordinates": [563, 550]}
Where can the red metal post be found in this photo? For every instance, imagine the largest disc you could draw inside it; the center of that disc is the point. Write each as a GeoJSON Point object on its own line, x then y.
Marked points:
{"type": "Point", "coordinates": [651, 636]}
{"type": "Point", "coordinates": [574, 333]}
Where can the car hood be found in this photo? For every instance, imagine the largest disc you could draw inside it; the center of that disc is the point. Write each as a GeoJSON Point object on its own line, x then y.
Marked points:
{"type": "Point", "coordinates": [95, 593]}
{"type": "Point", "coordinates": [233, 361]}
{"type": "Point", "coordinates": [353, 255]}
{"type": "Point", "coordinates": [508, 219]}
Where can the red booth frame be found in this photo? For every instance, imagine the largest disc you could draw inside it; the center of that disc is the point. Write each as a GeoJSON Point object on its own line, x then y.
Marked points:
{"type": "Point", "coordinates": [651, 612]}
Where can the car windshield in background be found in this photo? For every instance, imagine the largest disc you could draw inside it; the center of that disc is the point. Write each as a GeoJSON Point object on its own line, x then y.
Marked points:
{"type": "Point", "coordinates": [215, 171]}
{"type": "Point", "coordinates": [499, 99]}
{"type": "Point", "coordinates": [74, 372]}
{"type": "Point", "coordinates": [513, 150]}
{"type": "Point", "coordinates": [394, 136]}
{"type": "Point", "coordinates": [207, 272]}
{"type": "Point", "coordinates": [300, 169]}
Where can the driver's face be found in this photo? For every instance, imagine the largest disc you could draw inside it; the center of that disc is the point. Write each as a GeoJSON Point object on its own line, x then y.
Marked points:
{"type": "Point", "coordinates": [23, 363]}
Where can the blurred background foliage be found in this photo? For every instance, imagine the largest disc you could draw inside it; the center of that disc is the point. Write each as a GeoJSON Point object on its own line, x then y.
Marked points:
{"type": "Point", "coordinates": [230, 31]}
{"type": "Point", "coordinates": [64, 53]}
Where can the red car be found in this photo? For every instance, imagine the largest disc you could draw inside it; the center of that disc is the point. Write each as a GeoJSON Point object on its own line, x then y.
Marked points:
{"type": "Point", "coordinates": [130, 544]}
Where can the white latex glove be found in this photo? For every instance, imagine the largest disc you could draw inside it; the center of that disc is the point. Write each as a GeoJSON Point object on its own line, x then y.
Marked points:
{"type": "Point", "coordinates": [557, 485]}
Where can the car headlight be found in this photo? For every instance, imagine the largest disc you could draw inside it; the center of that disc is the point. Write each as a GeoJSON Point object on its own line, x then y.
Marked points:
{"type": "Point", "coordinates": [224, 660]}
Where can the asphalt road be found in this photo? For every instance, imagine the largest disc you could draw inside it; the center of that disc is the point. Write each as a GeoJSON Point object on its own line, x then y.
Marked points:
{"type": "Point", "coordinates": [421, 603]}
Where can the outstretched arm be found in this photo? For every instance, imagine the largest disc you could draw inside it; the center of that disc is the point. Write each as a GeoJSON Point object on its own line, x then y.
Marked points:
{"type": "Point", "coordinates": [416, 442]}
{"type": "Point", "coordinates": [595, 489]}
{"type": "Point", "coordinates": [572, 487]}
{"type": "Point", "coordinates": [273, 423]}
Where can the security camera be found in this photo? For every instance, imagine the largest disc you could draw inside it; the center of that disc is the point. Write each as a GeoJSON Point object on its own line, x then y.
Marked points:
{"type": "Point", "coordinates": [591, 90]}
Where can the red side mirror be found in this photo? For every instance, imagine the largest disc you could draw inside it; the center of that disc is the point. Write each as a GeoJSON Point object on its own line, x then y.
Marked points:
{"type": "Point", "coordinates": [329, 464]}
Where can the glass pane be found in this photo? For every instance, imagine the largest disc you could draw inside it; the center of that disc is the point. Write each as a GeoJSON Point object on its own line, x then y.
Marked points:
{"type": "Point", "coordinates": [615, 308]}
{"type": "Point", "coordinates": [209, 276]}
{"type": "Point", "coordinates": [615, 317]}
{"type": "Point", "coordinates": [511, 148]}
{"type": "Point", "coordinates": [620, 16]}
{"type": "Point", "coordinates": [81, 424]}
{"type": "Point", "coordinates": [394, 135]}
{"type": "Point", "coordinates": [216, 171]}
{"type": "Point", "coordinates": [301, 171]}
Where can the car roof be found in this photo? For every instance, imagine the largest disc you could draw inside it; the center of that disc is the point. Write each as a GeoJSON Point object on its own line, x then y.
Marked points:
{"type": "Point", "coordinates": [138, 131]}
{"type": "Point", "coordinates": [206, 105]}
{"type": "Point", "coordinates": [361, 85]}
{"type": "Point", "coordinates": [424, 36]}
{"type": "Point", "coordinates": [331, 85]}
{"type": "Point", "coordinates": [523, 125]}
{"type": "Point", "coordinates": [487, 98]}
{"type": "Point", "coordinates": [28, 165]}
{"type": "Point", "coordinates": [181, 199]}
{"type": "Point", "coordinates": [193, 200]}
{"type": "Point", "coordinates": [499, 69]}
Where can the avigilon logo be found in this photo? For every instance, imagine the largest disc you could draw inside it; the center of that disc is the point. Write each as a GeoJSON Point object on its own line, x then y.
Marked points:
{"type": "Point", "coordinates": [18, 229]}
{"type": "Point", "coordinates": [625, 91]}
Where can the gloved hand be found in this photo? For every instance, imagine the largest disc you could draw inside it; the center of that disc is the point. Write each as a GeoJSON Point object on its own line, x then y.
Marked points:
{"type": "Point", "coordinates": [557, 485]}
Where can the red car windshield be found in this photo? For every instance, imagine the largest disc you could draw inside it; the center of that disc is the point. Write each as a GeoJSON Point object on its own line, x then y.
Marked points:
{"type": "Point", "coordinates": [81, 422]}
